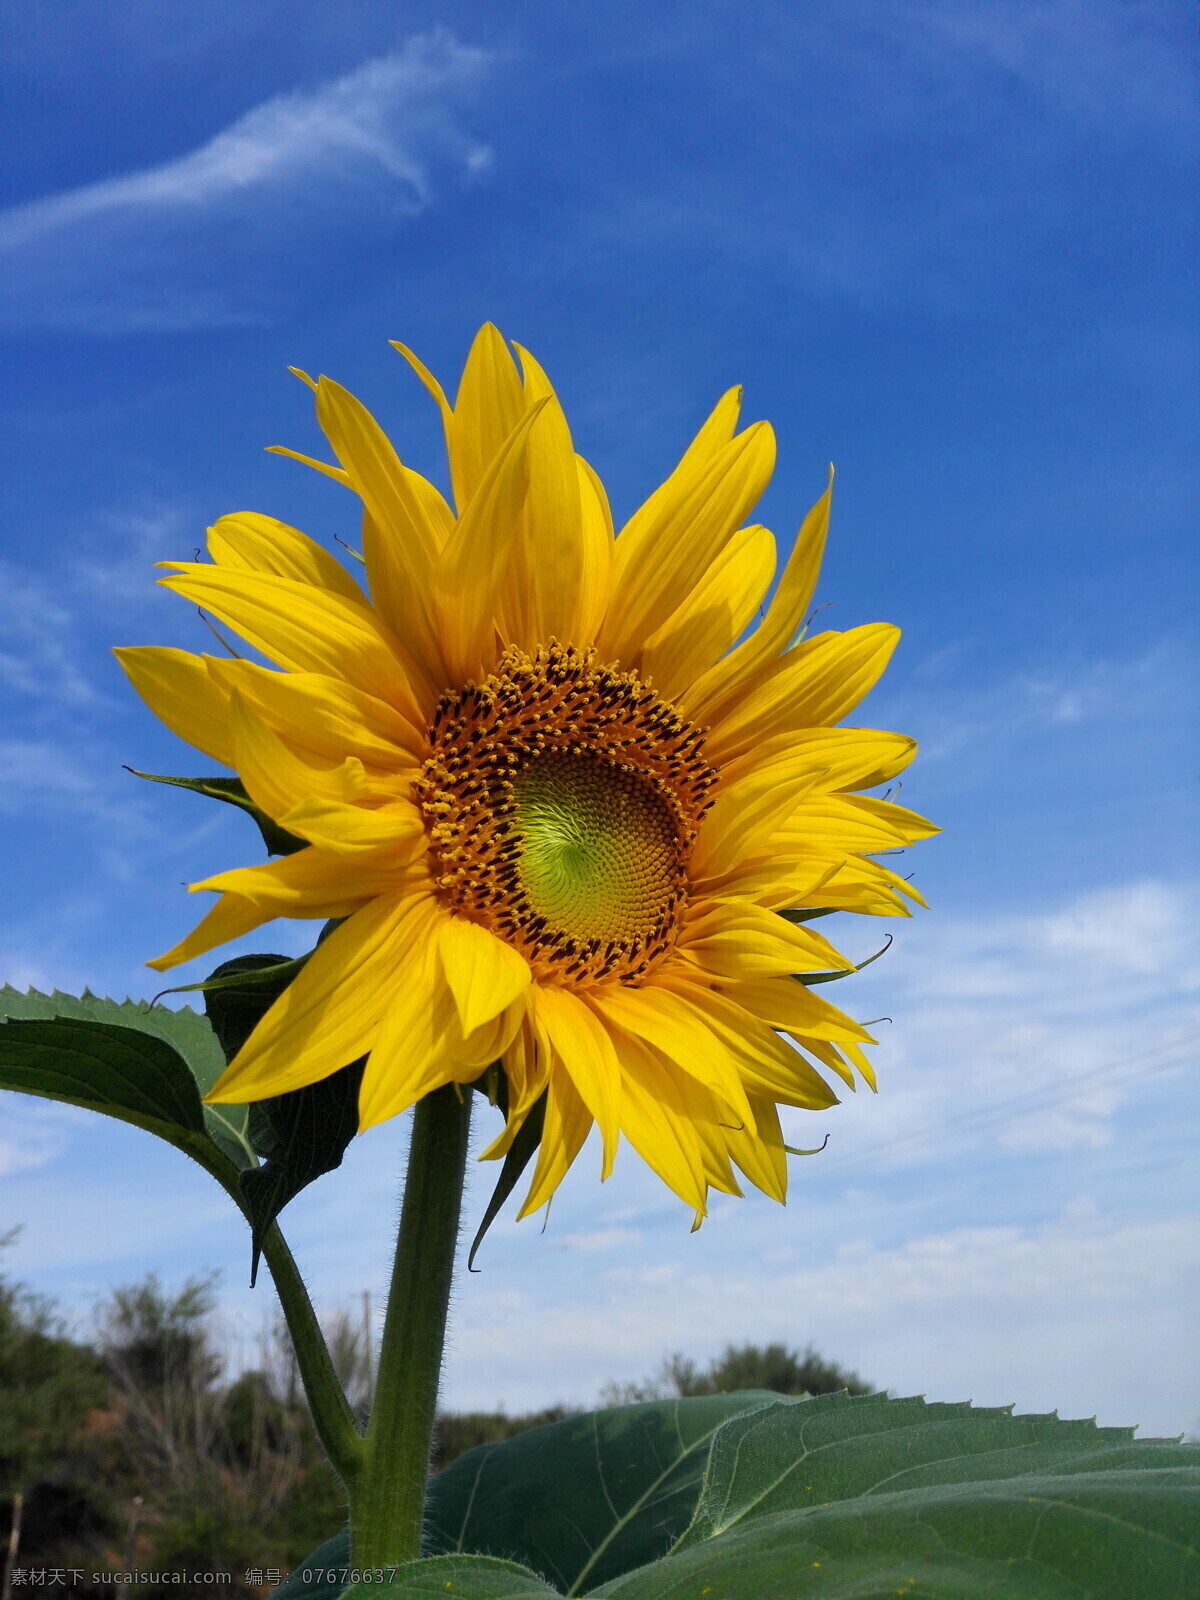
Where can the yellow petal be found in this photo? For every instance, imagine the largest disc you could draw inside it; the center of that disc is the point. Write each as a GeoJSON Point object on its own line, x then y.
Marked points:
{"type": "Point", "coordinates": [413, 1053]}
{"type": "Point", "coordinates": [275, 778]}
{"type": "Point", "coordinates": [543, 589]}
{"type": "Point", "coordinates": [488, 407]}
{"type": "Point", "coordinates": [784, 617]}
{"type": "Point", "coordinates": [581, 1043]}
{"type": "Point", "coordinates": [762, 1157]}
{"type": "Point", "coordinates": [766, 1063]}
{"type": "Point", "coordinates": [655, 1119]}
{"type": "Point", "coordinates": [596, 542]}
{"type": "Point", "coordinates": [248, 542]}
{"type": "Point", "coordinates": [815, 685]}
{"type": "Point", "coordinates": [485, 974]}
{"type": "Point", "coordinates": [845, 822]}
{"type": "Point", "coordinates": [740, 940]}
{"type": "Point", "coordinates": [230, 918]}
{"type": "Point", "coordinates": [394, 831]}
{"type": "Point", "coordinates": [746, 815]}
{"type": "Point", "coordinates": [781, 1002]}
{"type": "Point", "coordinates": [330, 1014]}
{"type": "Point", "coordinates": [852, 758]}
{"type": "Point", "coordinates": [703, 628]}
{"type": "Point", "coordinates": [568, 1122]}
{"type": "Point", "coordinates": [306, 883]}
{"type": "Point", "coordinates": [401, 540]}
{"type": "Point", "coordinates": [713, 436]}
{"type": "Point", "coordinates": [303, 629]}
{"type": "Point", "coordinates": [676, 1029]}
{"type": "Point", "coordinates": [176, 686]}
{"type": "Point", "coordinates": [469, 580]}
{"type": "Point", "coordinates": [439, 395]}
{"type": "Point", "coordinates": [338, 474]}
{"type": "Point", "coordinates": [322, 717]}
{"type": "Point", "coordinates": [683, 539]}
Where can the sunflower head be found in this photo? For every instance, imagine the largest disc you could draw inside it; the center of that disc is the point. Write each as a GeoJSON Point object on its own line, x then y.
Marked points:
{"type": "Point", "coordinates": [556, 792]}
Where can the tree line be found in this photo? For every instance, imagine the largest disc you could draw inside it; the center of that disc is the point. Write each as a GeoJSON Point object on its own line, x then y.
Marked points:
{"type": "Point", "coordinates": [135, 1450]}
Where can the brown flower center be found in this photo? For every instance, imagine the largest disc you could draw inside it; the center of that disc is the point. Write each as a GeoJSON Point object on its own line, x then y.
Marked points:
{"type": "Point", "coordinates": [562, 800]}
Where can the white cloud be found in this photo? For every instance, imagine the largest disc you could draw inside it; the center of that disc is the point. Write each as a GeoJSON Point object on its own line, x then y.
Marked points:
{"type": "Point", "coordinates": [1079, 1312]}
{"type": "Point", "coordinates": [1019, 1033]}
{"type": "Point", "coordinates": [185, 243]}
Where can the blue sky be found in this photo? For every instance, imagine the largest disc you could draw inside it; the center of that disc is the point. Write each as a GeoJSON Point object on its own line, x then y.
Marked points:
{"type": "Point", "coordinates": [949, 246]}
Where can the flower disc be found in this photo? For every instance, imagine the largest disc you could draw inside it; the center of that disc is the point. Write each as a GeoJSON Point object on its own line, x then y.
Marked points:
{"type": "Point", "coordinates": [563, 799]}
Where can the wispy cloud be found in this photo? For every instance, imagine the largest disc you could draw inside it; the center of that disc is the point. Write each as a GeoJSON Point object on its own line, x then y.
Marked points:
{"type": "Point", "coordinates": [187, 243]}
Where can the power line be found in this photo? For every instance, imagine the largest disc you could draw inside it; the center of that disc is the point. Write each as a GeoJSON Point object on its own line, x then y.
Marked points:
{"type": "Point", "coordinates": [1114, 1073]}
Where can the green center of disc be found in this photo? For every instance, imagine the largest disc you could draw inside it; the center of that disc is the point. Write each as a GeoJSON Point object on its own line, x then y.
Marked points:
{"type": "Point", "coordinates": [599, 849]}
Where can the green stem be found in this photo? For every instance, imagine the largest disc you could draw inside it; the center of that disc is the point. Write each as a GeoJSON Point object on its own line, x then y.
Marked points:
{"type": "Point", "coordinates": [335, 1423]}
{"type": "Point", "coordinates": [388, 1499]}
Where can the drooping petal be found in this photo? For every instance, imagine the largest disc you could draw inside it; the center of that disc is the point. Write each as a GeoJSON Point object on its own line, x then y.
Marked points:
{"type": "Point", "coordinates": [766, 1064]}
{"type": "Point", "coordinates": [414, 1048]}
{"type": "Point", "coordinates": [675, 1027]}
{"type": "Point", "coordinates": [230, 918]}
{"type": "Point", "coordinates": [781, 1002]}
{"type": "Point", "coordinates": [484, 973]}
{"type": "Point", "coordinates": [176, 686]}
{"type": "Point", "coordinates": [581, 1043]}
{"type": "Point", "coordinates": [655, 1119]}
{"type": "Point", "coordinates": [568, 1123]}
{"type": "Point", "coordinates": [763, 1158]}
{"type": "Point", "coordinates": [330, 1014]}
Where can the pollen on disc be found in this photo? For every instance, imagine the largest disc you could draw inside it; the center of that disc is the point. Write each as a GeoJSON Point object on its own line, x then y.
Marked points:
{"type": "Point", "coordinates": [561, 801]}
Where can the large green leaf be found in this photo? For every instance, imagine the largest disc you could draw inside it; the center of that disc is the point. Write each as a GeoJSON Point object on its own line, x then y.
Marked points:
{"type": "Point", "coordinates": [459, 1577]}
{"type": "Point", "coordinates": [143, 1065]}
{"type": "Point", "coordinates": [576, 1501]}
{"type": "Point", "coordinates": [865, 1497]}
{"type": "Point", "coordinates": [823, 1498]}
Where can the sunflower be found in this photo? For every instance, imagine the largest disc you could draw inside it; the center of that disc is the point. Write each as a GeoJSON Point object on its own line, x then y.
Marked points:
{"type": "Point", "coordinates": [572, 825]}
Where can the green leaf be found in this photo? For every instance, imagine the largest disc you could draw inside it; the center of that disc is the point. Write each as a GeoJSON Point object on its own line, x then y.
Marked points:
{"type": "Point", "coordinates": [309, 1130]}
{"type": "Point", "coordinates": [516, 1158]}
{"type": "Point", "coordinates": [302, 1134]}
{"type": "Point", "coordinates": [865, 1497]}
{"type": "Point", "coordinates": [145, 1066]}
{"type": "Point", "coordinates": [279, 841]}
{"type": "Point", "coordinates": [456, 1577]}
{"type": "Point", "coordinates": [576, 1501]}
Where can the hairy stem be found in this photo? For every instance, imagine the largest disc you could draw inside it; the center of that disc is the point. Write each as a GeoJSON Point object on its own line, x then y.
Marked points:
{"type": "Point", "coordinates": [387, 1501]}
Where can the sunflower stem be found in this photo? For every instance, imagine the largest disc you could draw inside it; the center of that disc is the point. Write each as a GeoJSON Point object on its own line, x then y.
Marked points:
{"type": "Point", "coordinates": [387, 1500]}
